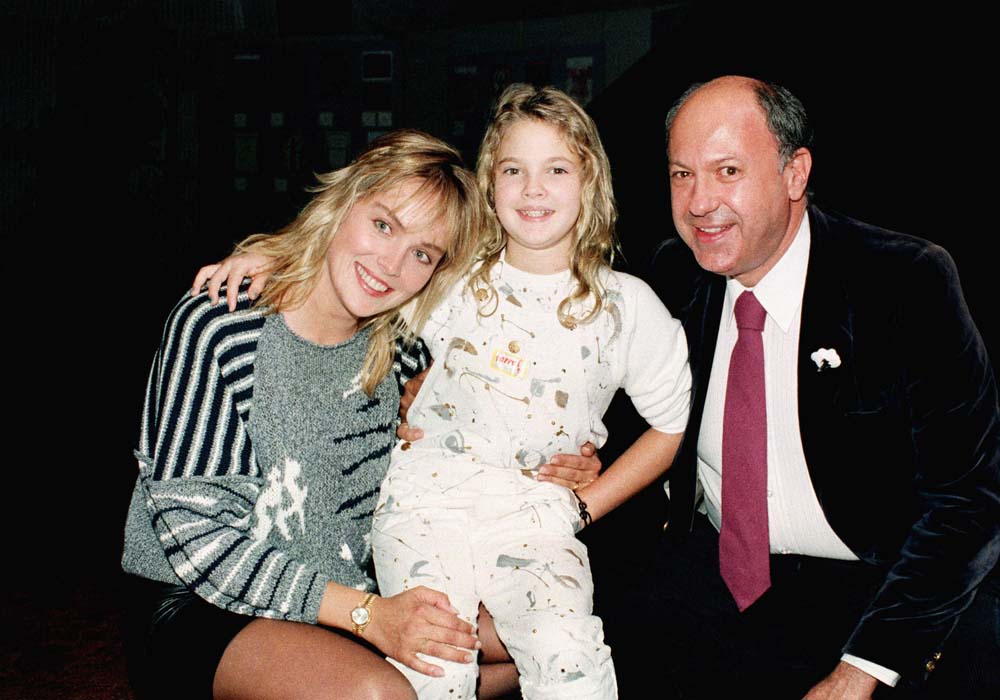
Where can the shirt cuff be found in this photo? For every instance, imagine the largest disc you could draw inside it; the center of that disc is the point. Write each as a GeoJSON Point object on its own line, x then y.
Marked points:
{"type": "Point", "coordinates": [883, 674]}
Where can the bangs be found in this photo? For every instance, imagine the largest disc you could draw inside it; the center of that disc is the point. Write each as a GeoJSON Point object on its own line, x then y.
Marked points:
{"type": "Point", "coordinates": [456, 212]}
{"type": "Point", "coordinates": [445, 198]}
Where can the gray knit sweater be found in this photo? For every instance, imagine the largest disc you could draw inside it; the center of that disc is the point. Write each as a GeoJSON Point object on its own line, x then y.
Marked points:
{"type": "Point", "coordinates": [260, 459]}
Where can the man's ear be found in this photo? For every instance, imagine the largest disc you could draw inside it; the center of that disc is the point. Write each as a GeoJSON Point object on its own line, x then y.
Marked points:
{"type": "Point", "coordinates": [796, 173]}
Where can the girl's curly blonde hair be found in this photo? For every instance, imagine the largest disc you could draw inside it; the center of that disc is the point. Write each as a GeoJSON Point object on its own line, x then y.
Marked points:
{"type": "Point", "coordinates": [594, 241]}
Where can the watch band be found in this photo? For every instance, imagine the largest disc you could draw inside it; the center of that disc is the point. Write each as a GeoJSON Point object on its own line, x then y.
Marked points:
{"type": "Point", "coordinates": [361, 616]}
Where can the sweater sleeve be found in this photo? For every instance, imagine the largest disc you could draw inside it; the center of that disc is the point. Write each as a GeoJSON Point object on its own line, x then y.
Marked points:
{"type": "Point", "coordinates": [657, 376]}
{"type": "Point", "coordinates": [411, 360]}
{"type": "Point", "coordinates": [197, 470]}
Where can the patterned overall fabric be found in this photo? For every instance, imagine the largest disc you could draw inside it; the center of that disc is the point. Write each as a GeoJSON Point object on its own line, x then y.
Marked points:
{"type": "Point", "coordinates": [461, 511]}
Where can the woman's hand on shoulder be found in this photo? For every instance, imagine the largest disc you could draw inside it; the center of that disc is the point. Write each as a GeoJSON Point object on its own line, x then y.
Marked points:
{"type": "Point", "coordinates": [232, 270]}
{"type": "Point", "coordinates": [422, 621]}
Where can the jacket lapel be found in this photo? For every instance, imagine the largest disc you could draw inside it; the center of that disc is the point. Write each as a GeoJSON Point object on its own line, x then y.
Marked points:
{"type": "Point", "coordinates": [704, 327]}
{"type": "Point", "coordinates": [701, 325]}
{"type": "Point", "coordinates": [827, 323]}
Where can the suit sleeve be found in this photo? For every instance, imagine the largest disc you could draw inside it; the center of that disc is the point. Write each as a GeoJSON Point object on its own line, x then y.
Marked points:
{"type": "Point", "coordinates": [950, 401]}
{"type": "Point", "coordinates": [198, 474]}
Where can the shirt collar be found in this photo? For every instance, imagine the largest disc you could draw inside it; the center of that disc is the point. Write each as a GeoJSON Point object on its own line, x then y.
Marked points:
{"type": "Point", "coordinates": [780, 290]}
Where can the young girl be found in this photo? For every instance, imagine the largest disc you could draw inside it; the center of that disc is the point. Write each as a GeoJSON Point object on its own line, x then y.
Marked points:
{"type": "Point", "coordinates": [529, 351]}
{"type": "Point", "coordinates": [528, 355]}
{"type": "Point", "coordinates": [265, 436]}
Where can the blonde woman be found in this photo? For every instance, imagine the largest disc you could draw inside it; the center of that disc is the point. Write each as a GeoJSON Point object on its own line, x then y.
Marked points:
{"type": "Point", "coordinates": [265, 436]}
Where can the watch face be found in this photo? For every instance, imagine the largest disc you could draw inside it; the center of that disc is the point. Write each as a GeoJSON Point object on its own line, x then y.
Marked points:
{"type": "Point", "coordinates": [360, 616]}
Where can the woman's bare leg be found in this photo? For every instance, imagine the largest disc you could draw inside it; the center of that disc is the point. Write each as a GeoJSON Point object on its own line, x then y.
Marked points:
{"type": "Point", "coordinates": [277, 659]}
{"type": "Point", "coordinates": [497, 673]}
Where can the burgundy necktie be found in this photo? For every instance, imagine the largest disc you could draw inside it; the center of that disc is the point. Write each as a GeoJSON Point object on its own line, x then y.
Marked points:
{"type": "Point", "coordinates": [744, 545]}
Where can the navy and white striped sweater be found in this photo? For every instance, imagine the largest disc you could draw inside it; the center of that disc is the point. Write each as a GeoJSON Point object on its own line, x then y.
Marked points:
{"type": "Point", "coordinates": [209, 512]}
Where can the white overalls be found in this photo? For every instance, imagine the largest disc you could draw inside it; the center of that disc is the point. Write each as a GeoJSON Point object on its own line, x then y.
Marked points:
{"type": "Point", "coordinates": [460, 510]}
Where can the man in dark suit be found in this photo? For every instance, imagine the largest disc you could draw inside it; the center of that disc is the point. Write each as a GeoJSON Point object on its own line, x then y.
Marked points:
{"type": "Point", "coordinates": [844, 439]}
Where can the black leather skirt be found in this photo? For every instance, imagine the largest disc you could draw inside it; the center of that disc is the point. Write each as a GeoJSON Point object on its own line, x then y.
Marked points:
{"type": "Point", "coordinates": [174, 640]}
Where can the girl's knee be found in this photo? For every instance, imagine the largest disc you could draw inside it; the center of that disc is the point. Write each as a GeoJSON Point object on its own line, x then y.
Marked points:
{"type": "Point", "coordinates": [572, 674]}
{"type": "Point", "coordinates": [457, 683]}
{"type": "Point", "coordinates": [566, 653]}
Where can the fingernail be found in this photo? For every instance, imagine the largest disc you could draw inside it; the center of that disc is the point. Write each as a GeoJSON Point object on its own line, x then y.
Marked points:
{"type": "Point", "coordinates": [479, 645]}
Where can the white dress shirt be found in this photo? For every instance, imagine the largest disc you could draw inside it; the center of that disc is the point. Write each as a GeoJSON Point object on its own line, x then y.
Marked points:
{"type": "Point", "coordinates": [796, 521]}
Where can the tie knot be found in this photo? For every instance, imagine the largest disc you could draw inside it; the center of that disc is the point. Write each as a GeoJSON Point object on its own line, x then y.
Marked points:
{"type": "Point", "coordinates": [749, 313]}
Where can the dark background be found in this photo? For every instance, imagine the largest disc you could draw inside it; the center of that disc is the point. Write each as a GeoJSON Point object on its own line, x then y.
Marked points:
{"type": "Point", "coordinates": [121, 175]}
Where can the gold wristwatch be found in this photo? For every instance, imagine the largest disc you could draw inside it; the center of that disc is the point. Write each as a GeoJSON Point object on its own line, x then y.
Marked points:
{"type": "Point", "coordinates": [362, 615]}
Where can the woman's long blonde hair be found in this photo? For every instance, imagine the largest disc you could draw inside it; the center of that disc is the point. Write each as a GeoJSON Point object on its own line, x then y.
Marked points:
{"type": "Point", "coordinates": [298, 251]}
{"type": "Point", "coordinates": [594, 242]}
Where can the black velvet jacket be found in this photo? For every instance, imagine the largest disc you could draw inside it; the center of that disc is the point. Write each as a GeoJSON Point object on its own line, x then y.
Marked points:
{"type": "Point", "coordinates": [902, 439]}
